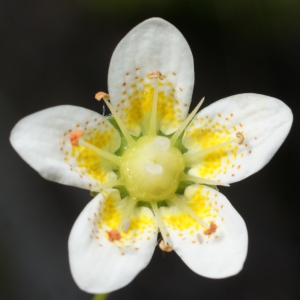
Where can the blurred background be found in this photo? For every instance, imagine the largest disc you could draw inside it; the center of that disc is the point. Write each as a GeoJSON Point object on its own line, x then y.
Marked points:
{"type": "Point", "coordinates": [58, 52]}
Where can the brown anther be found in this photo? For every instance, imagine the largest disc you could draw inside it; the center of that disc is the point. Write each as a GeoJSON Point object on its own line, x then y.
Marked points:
{"type": "Point", "coordinates": [241, 138]}
{"type": "Point", "coordinates": [101, 95]}
{"type": "Point", "coordinates": [165, 247]}
{"type": "Point", "coordinates": [113, 235]}
{"type": "Point", "coordinates": [212, 228]}
{"type": "Point", "coordinates": [156, 74]}
{"type": "Point", "coordinates": [74, 137]}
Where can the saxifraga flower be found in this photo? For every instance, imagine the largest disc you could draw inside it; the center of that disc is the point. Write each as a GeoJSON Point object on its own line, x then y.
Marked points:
{"type": "Point", "coordinates": [151, 166]}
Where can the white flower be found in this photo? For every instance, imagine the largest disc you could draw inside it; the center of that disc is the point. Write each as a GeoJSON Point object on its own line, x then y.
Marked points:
{"type": "Point", "coordinates": [151, 166]}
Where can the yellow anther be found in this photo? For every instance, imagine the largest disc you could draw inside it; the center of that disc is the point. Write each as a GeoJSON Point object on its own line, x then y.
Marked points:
{"type": "Point", "coordinates": [165, 247]}
{"type": "Point", "coordinates": [156, 74]}
{"type": "Point", "coordinates": [101, 95]}
{"type": "Point", "coordinates": [241, 138]}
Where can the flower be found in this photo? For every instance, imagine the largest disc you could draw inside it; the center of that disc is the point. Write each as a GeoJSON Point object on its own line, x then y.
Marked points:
{"type": "Point", "coordinates": [152, 167]}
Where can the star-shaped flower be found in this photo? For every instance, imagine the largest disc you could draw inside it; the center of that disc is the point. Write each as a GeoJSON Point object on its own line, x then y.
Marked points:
{"type": "Point", "coordinates": [151, 166]}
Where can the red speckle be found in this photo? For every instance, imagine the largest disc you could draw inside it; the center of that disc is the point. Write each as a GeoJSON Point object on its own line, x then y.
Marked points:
{"type": "Point", "coordinates": [95, 120]}
{"type": "Point", "coordinates": [180, 89]}
{"type": "Point", "coordinates": [231, 115]}
{"type": "Point", "coordinates": [89, 219]}
{"type": "Point", "coordinates": [86, 122]}
{"type": "Point", "coordinates": [100, 245]}
{"type": "Point", "coordinates": [250, 152]}
{"type": "Point", "coordinates": [239, 166]}
{"type": "Point", "coordinates": [127, 74]}
{"type": "Point", "coordinates": [256, 138]}
{"type": "Point", "coordinates": [222, 206]}
{"type": "Point", "coordinates": [124, 83]}
{"type": "Point", "coordinates": [232, 175]}
{"type": "Point", "coordinates": [90, 185]}
{"type": "Point", "coordinates": [123, 253]}
{"type": "Point", "coordinates": [95, 214]}
{"type": "Point", "coordinates": [174, 73]}
{"type": "Point", "coordinates": [136, 248]}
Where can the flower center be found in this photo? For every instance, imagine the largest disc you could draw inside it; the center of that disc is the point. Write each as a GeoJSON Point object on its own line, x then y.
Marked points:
{"type": "Point", "coordinates": [151, 168]}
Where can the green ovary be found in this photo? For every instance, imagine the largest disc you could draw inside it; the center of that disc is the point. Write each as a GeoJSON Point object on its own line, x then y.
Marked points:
{"type": "Point", "coordinates": [151, 169]}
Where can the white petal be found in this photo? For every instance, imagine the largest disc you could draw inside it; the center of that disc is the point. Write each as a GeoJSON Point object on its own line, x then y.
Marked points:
{"type": "Point", "coordinates": [99, 265]}
{"type": "Point", "coordinates": [154, 45]}
{"type": "Point", "coordinates": [216, 255]}
{"type": "Point", "coordinates": [42, 140]}
{"type": "Point", "coordinates": [263, 121]}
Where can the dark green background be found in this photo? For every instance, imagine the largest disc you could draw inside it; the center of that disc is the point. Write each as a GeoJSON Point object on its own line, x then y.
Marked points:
{"type": "Point", "coordinates": [57, 52]}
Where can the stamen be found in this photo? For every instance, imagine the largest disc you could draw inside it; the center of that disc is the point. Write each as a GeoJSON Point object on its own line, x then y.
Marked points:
{"type": "Point", "coordinates": [152, 122]}
{"type": "Point", "coordinates": [192, 158]}
{"type": "Point", "coordinates": [125, 221]}
{"type": "Point", "coordinates": [113, 235]}
{"type": "Point", "coordinates": [112, 157]}
{"type": "Point", "coordinates": [110, 184]}
{"type": "Point", "coordinates": [101, 95]}
{"type": "Point", "coordinates": [178, 202]}
{"type": "Point", "coordinates": [200, 180]}
{"type": "Point", "coordinates": [159, 222]}
{"type": "Point", "coordinates": [212, 228]}
{"type": "Point", "coordinates": [186, 122]}
{"type": "Point", "coordinates": [74, 137]}
{"type": "Point", "coordinates": [165, 247]}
